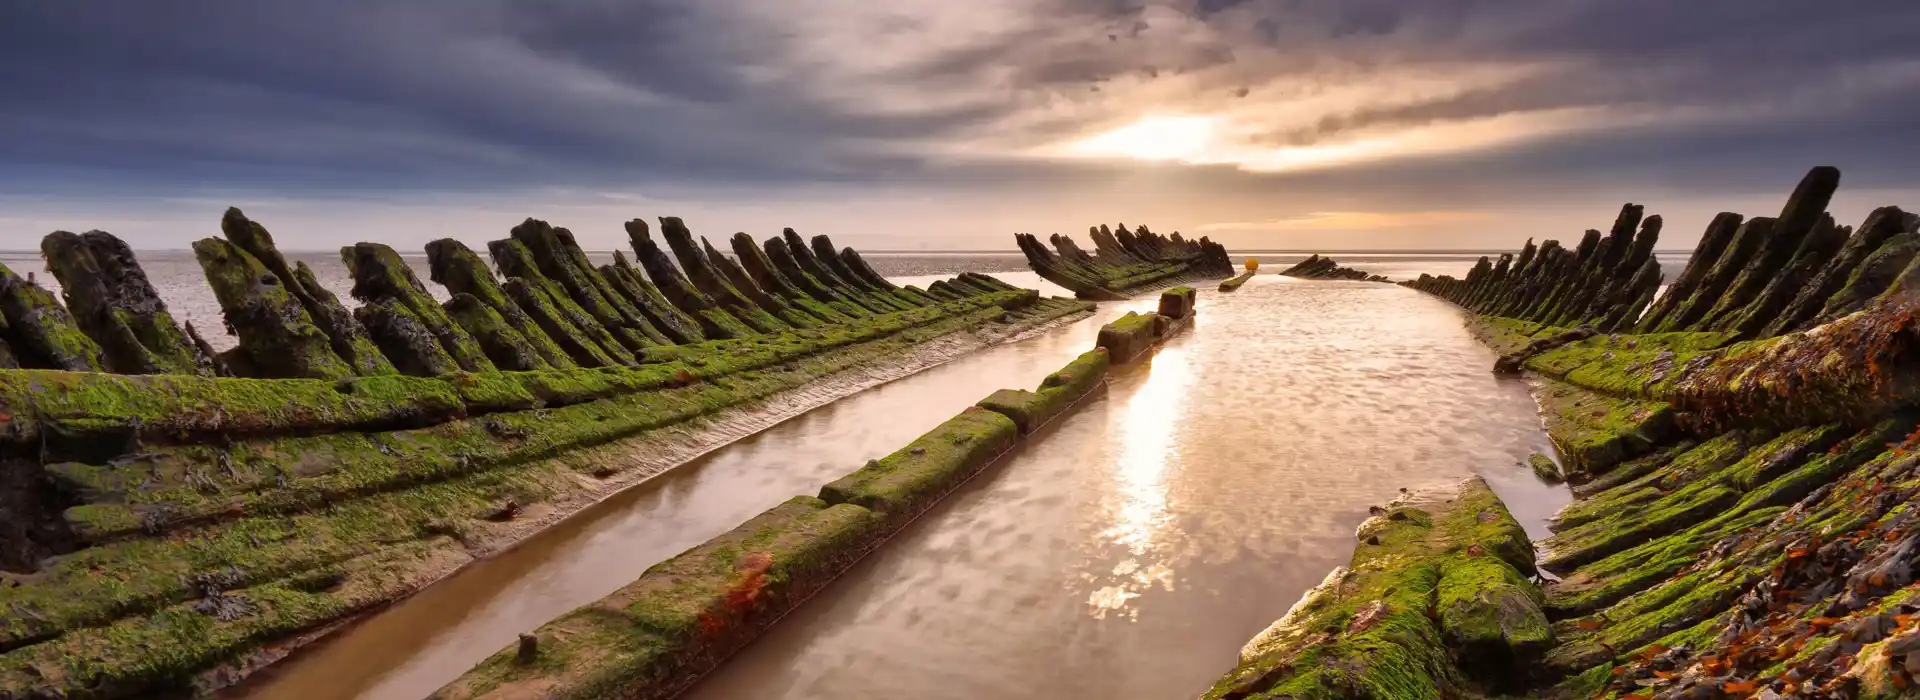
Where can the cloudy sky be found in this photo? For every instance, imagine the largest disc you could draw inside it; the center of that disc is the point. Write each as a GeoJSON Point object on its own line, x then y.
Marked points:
{"type": "Point", "coordinates": [910, 124]}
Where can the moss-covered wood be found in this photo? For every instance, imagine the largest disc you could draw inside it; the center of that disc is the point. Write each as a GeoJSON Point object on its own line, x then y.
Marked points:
{"type": "Point", "coordinates": [505, 345]}
{"type": "Point", "coordinates": [560, 259]}
{"type": "Point", "coordinates": [381, 275]}
{"type": "Point", "coordinates": [632, 282]}
{"type": "Point", "coordinates": [1030, 410]}
{"type": "Point", "coordinates": [348, 339]}
{"type": "Point", "coordinates": [40, 333]}
{"type": "Point", "coordinates": [112, 301]}
{"type": "Point", "coordinates": [277, 336]}
{"type": "Point", "coordinates": [248, 506]}
{"type": "Point", "coordinates": [461, 271]}
{"type": "Point", "coordinates": [578, 332]}
{"type": "Point", "coordinates": [657, 635]}
{"type": "Point", "coordinates": [1434, 604]}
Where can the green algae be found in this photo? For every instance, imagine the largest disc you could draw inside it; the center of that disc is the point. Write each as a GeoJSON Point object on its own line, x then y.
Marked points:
{"type": "Point", "coordinates": [460, 506]}
{"type": "Point", "coordinates": [1368, 633]}
{"type": "Point", "coordinates": [166, 649]}
{"type": "Point", "coordinates": [1127, 337]}
{"type": "Point", "coordinates": [179, 486]}
{"type": "Point", "coordinates": [902, 485]}
{"type": "Point", "coordinates": [1032, 409]}
{"type": "Point", "coordinates": [653, 637]}
{"type": "Point", "coordinates": [1595, 431]}
{"type": "Point", "coordinates": [277, 336]}
{"type": "Point", "coordinates": [1666, 510]}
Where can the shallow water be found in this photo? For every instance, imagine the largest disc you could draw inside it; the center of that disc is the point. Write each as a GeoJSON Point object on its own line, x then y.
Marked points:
{"type": "Point", "coordinates": [1131, 552]}
{"type": "Point", "coordinates": [1127, 554]}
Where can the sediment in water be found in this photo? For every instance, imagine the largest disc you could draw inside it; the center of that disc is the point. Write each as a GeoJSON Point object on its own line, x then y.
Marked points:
{"type": "Point", "coordinates": [170, 532]}
{"type": "Point", "coordinates": [661, 633]}
{"type": "Point", "coordinates": [1743, 453]}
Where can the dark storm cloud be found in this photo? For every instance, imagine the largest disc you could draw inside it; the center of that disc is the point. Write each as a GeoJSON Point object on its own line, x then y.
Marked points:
{"type": "Point", "coordinates": [478, 94]}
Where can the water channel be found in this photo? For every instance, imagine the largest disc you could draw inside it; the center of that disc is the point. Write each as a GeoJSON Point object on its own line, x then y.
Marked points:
{"type": "Point", "coordinates": [1128, 553]}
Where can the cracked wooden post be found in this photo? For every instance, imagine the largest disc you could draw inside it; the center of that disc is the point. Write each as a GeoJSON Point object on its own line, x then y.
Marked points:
{"type": "Point", "coordinates": [40, 332]}
{"type": "Point", "coordinates": [113, 303]}
{"type": "Point", "coordinates": [560, 260]}
{"type": "Point", "coordinates": [1713, 244]}
{"type": "Point", "coordinates": [505, 346]}
{"type": "Point", "coordinates": [278, 339]}
{"type": "Point", "coordinates": [588, 342]}
{"type": "Point", "coordinates": [344, 333]}
{"type": "Point", "coordinates": [453, 265]}
{"type": "Point", "coordinates": [789, 267]}
{"type": "Point", "coordinates": [715, 322]}
{"type": "Point", "coordinates": [406, 340]}
{"type": "Point", "coordinates": [633, 284]}
{"type": "Point", "coordinates": [1881, 226]}
{"type": "Point", "coordinates": [380, 274]}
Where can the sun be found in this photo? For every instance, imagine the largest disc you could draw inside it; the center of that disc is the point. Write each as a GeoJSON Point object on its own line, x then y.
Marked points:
{"type": "Point", "coordinates": [1154, 138]}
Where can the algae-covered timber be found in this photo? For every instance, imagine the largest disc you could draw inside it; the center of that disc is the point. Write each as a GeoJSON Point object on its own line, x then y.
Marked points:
{"type": "Point", "coordinates": [381, 276]}
{"type": "Point", "coordinates": [114, 304]}
{"type": "Point", "coordinates": [1117, 272]}
{"type": "Point", "coordinates": [1435, 603]}
{"type": "Point", "coordinates": [348, 338]}
{"type": "Point", "coordinates": [1762, 542]}
{"type": "Point", "coordinates": [1319, 268]}
{"type": "Point", "coordinates": [277, 336]}
{"type": "Point", "coordinates": [1234, 283]}
{"type": "Point", "coordinates": [171, 527]}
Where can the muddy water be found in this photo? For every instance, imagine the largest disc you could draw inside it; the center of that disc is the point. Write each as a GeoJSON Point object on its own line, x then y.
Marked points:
{"type": "Point", "coordinates": [1127, 554]}
{"type": "Point", "coordinates": [1130, 553]}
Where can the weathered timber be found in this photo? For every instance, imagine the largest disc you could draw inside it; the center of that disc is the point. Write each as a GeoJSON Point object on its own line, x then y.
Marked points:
{"type": "Point", "coordinates": [380, 274]}
{"type": "Point", "coordinates": [505, 345]}
{"type": "Point", "coordinates": [1882, 225]}
{"type": "Point", "coordinates": [1873, 277]}
{"type": "Point", "coordinates": [804, 258]}
{"type": "Point", "coordinates": [1804, 210]}
{"type": "Point", "coordinates": [453, 265]}
{"type": "Point", "coordinates": [699, 269]}
{"type": "Point", "coordinates": [112, 302]}
{"type": "Point", "coordinates": [561, 260]}
{"type": "Point", "coordinates": [1706, 253]}
{"type": "Point", "coordinates": [633, 283]}
{"type": "Point", "coordinates": [577, 331]}
{"type": "Point", "coordinates": [406, 339]}
{"type": "Point", "coordinates": [278, 339]}
{"type": "Point", "coordinates": [795, 316]}
{"type": "Point", "coordinates": [215, 362]}
{"type": "Point", "coordinates": [348, 339]}
{"type": "Point", "coordinates": [40, 332]}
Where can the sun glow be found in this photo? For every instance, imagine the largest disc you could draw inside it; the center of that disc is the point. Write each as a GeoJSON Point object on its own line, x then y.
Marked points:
{"type": "Point", "coordinates": [1154, 138]}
